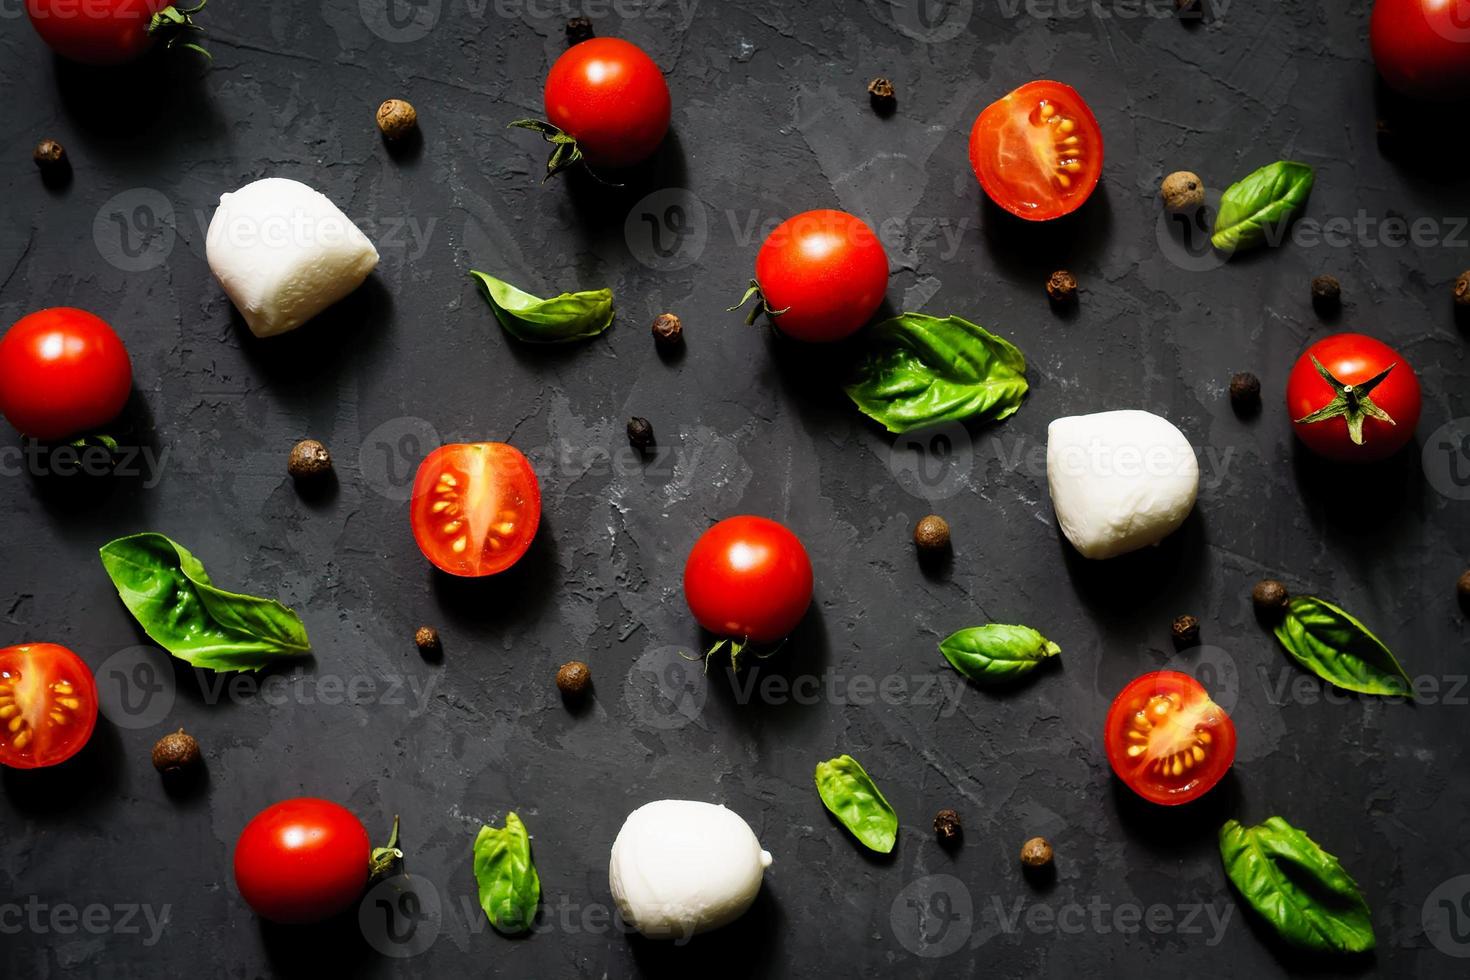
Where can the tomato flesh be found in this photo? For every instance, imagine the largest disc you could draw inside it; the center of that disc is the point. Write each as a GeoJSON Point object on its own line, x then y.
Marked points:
{"type": "Point", "coordinates": [48, 705]}
{"type": "Point", "coordinates": [611, 98]}
{"type": "Point", "coordinates": [1167, 740]}
{"type": "Point", "coordinates": [475, 507]}
{"type": "Point", "coordinates": [1354, 358]}
{"type": "Point", "coordinates": [1038, 152]}
{"type": "Point", "coordinates": [748, 578]}
{"type": "Point", "coordinates": [63, 372]}
{"type": "Point", "coordinates": [302, 860]}
{"type": "Point", "coordinates": [824, 274]}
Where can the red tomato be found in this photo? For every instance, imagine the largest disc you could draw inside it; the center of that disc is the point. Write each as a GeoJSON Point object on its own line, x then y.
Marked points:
{"type": "Point", "coordinates": [63, 372]}
{"type": "Point", "coordinates": [1422, 47]}
{"type": "Point", "coordinates": [748, 578]}
{"type": "Point", "coordinates": [1167, 740]}
{"type": "Point", "coordinates": [1038, 152]}
{"type": "Point", "coordinates": [302, 860]}
{"type": "Point", "coordinates": [611, 98]}
{"type": "Point", "coordinates": [48, 705]}
{"type": "Point", "coordinates": [475, 507]}
{"type": "Point", "coordinates": [1325, 417]}
{"type": "Point", "coordinates": [823, 274]}
{"type": "Point", "coordinates": [104, 32]}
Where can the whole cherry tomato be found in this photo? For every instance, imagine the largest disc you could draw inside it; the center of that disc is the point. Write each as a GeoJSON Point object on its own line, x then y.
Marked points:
{"type": "Point", "coordinates": [1038, 152]}
{"type": "Point", "coordinates": [1422, 47]}
{"type": "Point", "coordinates": [821, 275]}
{"type": "Point", "coordinates": [1167, 740]}
{"type": "Point", "coordinates": [1353, 399]}
{"type": "Point", "coordinates": [302, 860]}
{"type": "Point", "coordinates": [109, 32]}
{"type": "Point", "coordinates": [748, 578]}
{"type": "Point", "coordinates": [63, 372]}
{"type": "Point", "coordinates": [48, 705]}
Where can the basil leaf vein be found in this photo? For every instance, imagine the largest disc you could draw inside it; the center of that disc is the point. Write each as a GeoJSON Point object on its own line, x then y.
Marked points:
{"type": "Point", "coordinates": [172, 597]}
{"type": "Point", "coordinates": [922, 370]}
{"type": "Point", "coordinates": [1337, 648]}
{"type": "Point", "coordinates": [509, 887]}
{"type": "Point", "coordinates": [1298, 888]}
{"type": "Point", "coordinates": [570, 316]}
{"type": "Point", "coordinates": [996, 653]}
{"type": "Point", "coordinates": [1258, 207]}
{"type": "Point", "coordinates": [854, 799]}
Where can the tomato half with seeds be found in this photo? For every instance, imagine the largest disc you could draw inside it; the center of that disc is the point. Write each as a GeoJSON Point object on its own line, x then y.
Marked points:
{"type": "Point", "coordinates": [1167, 740]}
{"type": "Point", "coordinates": [821, 274]}
{"type": "Point", "coordinates": [1038, 152]}
{"type": "Point", "coordinates": [475, 507]}
{"type": "Point", "coordinates": [48, 705]}
{"type": "Point", "coordinates": [1353, 399]}
{"type": "Point", "coordinates": [302, 861]}
{"type": "Point", "coordinates": [748, 578]}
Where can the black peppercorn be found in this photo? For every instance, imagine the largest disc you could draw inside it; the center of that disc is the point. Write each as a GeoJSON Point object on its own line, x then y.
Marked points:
{"type": "Point", "coordinates": [1245, 393]}
{"type": "Point", "coordinates": [947, 826]}
{"type": "Point", "coordinates": [668, 331]}
{"type": "Point", "coordinates": [175, 753]}
{"type": "Point", "coordinates": [1186, 631]}
{"type": "Point", "coordinates": [572, 678]}
{"type": "Point", "coordinates": [1061, 287]}
{"type": "Point", "coordinates": [426, 638]}
{"type": "Point", "coordinates": [1326, 294]}
{"type": "Point", "coordinates": [640, 434]}
{"type": "Point", "coordinates": [579, 29]}
{"type": "Point", "coordinates": [309, 460]}
{"type": "Point", "coordinates": [49, 155]}
{"type": "Point", "coordinates": [1036, 853]}
{"type": "Point", "coordinates": [881, 94]}
{"type": "Point", "coordinates": [1270, 598]}
{"type": "Point", "coordinates": [931, 535]}
{"type": "Point", "coordinates": [1462, 289]}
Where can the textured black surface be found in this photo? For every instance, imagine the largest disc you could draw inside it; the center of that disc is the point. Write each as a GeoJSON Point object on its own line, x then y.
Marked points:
{"type": "Point", "coordinates": [771, 117]}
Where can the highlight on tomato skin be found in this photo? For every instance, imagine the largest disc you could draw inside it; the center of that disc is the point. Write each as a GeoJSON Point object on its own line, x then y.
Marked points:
{"type": "Point", "coordinates": [48, 705]}
{"type": "Point", "coordinates": [475, 507]}
{"type": "Point", "coordinates": [1166, 740]}
{"type": "Point", "coordinates": [1038, 151]}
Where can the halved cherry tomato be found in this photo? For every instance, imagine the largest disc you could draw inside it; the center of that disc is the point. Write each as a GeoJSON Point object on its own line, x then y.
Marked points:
{"type": "Point", "coordinates": [1367, 412]}
{"type": "Point", "coordinates": [1038, 152]}
{"type": "Point", "coordinates": [302, 860]}
{"type": "Point", "coordinates": [1167, 740]}
{"type": "Point", "coordinates": [748, 578]}
{"type": "Point", "coordinates": [475, 507]}
{"type": "Point", "coordinates": [822, 274]}
{"type": "Point", "coordinates": [48, 705]}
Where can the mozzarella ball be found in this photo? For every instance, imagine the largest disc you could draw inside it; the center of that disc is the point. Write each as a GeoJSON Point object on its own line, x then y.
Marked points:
{"type": "Point", "coordinates": [1119, 480]}
{"type": "Point", "coordinates": [681, 867]}
{"type": "Point", "coordinates": [284, 253]}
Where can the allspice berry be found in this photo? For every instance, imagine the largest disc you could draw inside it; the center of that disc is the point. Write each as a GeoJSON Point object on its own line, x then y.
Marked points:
{"type": "Point", "coordinates": [1326, 294]}
{"type": "Point", "coordinates": [175, 753]}
{"type": "Point", "coordinates": [947, 826]}
{"type": "Point", "coordinates": [49, 155]}
{"type": "Point", "coordinates": [640, 434]}
{"type": "Point", "coordinates": [396, 118]}
{"type": "Point", "coordinates": [1186, 631]}
{"type": "Point", "coordinates": [1182, 192]}
{"type": "Point", "coordinates": [931, 535]}
{"type": "Point", "coordinates": [881, 94]}
{"type": "Point", "coordinates": [579, 29]}
{"type": "Point", "coordinates": [1270, 598]}
{"type": "Point", "coordinates": [309, 460]}
{"type": "Point", "coordinates": [426, 638]}
{"type": "Point", "coordinates": [668, 331]}
{"type": "Point", "coordinates": [572, 679]}
{"type": "Point", "coordinates": [1036, 853]}
{"type": "Point", "coordinates": [1462, 289]}
{"type": "Point", "coordinates": [1061, 287]}
{"type": "Point", "coordinates": [1245, 393]}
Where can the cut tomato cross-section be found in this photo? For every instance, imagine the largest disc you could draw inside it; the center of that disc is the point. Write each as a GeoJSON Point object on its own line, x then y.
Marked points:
{"type": "Point", "coordinates": [48, 705]}
{"type": "Point", "coordinates": [1167, 740]}
{"type": "Point", "coordinates": [1038, 151]}
{"type": "Point", "coordinates": [475, 508]}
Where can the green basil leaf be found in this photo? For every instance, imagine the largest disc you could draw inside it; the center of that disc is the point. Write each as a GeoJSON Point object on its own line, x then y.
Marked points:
{"type": "Point", "coordinates": [1298, 888]}
{"type": "Point", "coordinates": [923, 370]}
{"type": "Point", "coordinates": [1337, 648]}
{"type": "Point", "coordinates": [852, 797]}
{"type": "Point", "coordinates": [1255, 207]}
{"type": "Point", "coordinates": [996, 653]}
{"type": "Point", "coordinates": [171, 596]}
{"type": "Point", "coordinates": [509, 887]}
{"type": "Point", "coordinates": [570, 316]}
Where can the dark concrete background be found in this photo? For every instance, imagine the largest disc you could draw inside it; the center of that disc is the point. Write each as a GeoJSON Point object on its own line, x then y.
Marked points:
{"type": "Point", "coordinates": [770, 118]}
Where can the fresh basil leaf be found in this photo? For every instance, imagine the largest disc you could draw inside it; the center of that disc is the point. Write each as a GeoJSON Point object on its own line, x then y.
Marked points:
{"type": "Point", "coordinates": [1261, 205]}
{"type": "Point", "coordinates": [851, 795]}
{"type": "Point", "coordinates": [171, 596]}
{"type": "Point", "coordinates": [996, 653]}
{"type": "Point", "coordinates": [509, 887]}
{"type": "Point", "coordinates": [923, 370]}
{"type": "Point", "coordinates": [1298, 888]}
{"type": "Point", "coordinates": [1337, 648]}
{"type": "Point", "coordinates": [570, 316]}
